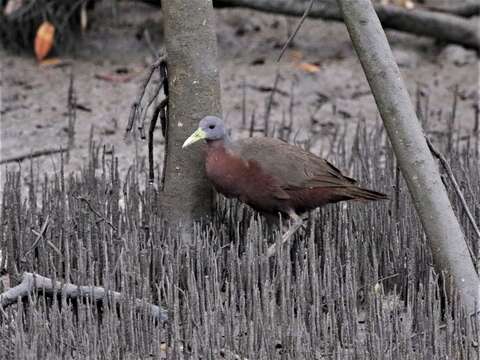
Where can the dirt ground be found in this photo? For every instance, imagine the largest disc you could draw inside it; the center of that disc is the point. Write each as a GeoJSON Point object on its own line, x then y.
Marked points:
{"type": "Point", "coordinates": [34, 98]}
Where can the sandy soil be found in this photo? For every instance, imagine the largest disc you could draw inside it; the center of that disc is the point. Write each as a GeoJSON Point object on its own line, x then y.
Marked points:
{"type": "Point", "coordinates": [34, 98]}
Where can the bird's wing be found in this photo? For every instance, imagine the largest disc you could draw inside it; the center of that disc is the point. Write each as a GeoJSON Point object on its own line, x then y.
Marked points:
{"type": "Point", "coordinates": [293, 167]}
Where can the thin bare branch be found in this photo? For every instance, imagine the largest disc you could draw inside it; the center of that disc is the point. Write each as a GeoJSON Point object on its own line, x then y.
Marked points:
{"type": "Point", "coordinates": [31, 155]}
{"type": "Point", "coordinates": [141, 92]}
{"type": "Point", "coordinates": [458, 191]}
{"type": "Point", "coordinates": [299, 25]}
{"type": "Point", "coordinates": [39, 235]}
{"type": "Point", "coordinates": [92, 209]}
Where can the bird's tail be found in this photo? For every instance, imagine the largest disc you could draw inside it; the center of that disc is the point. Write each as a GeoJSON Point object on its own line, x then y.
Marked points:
{"type": "Point", "coordinates": [364, 194]}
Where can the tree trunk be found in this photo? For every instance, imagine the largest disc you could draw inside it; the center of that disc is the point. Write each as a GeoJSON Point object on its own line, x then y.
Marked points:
{"type": "Point", "coordinates": [449, 249]}
{"type": "Point", "coordinates": [194, 91]}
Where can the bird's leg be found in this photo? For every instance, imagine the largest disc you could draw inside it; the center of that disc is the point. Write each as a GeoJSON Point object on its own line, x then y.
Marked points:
{"type": "Point", "coordinates": [297, 223]}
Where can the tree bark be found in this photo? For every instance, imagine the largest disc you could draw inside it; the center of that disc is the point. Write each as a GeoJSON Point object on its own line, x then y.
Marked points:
{"type": "Point", "coordinates": [194, 91]}
{"type": "Point", "coordinates": [447, 242]}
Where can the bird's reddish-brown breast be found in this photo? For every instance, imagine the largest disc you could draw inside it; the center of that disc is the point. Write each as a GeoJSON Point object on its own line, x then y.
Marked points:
{"type": "Point", "coordinates": [233, 176]}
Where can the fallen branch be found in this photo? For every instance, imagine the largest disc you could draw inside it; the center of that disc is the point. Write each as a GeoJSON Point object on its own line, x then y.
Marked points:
{"type": "Point", "coordinates": [440, 26]}
{"type": "Point", "coordinates": [445, 24]}
{"type": "Point", "coordinates": [32, 155]}
{"type": "Point", "coordinates": [43, 285]}
{"type": "Point", "coordinates": [468, 9]}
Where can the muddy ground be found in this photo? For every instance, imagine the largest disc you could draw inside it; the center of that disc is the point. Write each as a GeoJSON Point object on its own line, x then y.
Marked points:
{"type": "Point", "coordinates": [34, 98]}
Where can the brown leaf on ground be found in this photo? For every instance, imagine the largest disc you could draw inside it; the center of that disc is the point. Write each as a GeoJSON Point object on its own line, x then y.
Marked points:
{"type": "Point", "coordinates": [295, 55]}
{"type": "Point", "coordinates": [44, 40]}
{"type": "Point", "coordinates": [407, 4]}
{"type": "Point", "coordinates": [53, 62]}
{"type": "Point", "coordinates": [117, 77]}
{"type": "Point", "coordinates": [309, 68]}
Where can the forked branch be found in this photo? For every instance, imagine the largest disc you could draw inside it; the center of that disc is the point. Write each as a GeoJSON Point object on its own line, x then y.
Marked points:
{"type": "Point", "coordinates": [138, 113]}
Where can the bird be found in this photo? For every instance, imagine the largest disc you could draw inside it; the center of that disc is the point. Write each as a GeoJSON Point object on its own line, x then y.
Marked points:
{"type": "Point", "coordinates": [272, 176]}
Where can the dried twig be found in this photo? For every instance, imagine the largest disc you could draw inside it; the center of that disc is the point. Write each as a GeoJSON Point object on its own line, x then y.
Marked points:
{"type": "Point", "coordinates": [268, 109]}
{"type": "Point", "coordinates": [140, 113]}
{"type": "Point", "coordinates": [39, 235]}
{"type": "Point", "coordinates": [251, 129]}
{"type": "Point", "coordinates": [158, 112]}
{"type": "Point", "coordinates": [144, 110]}
{"type": "Point", "coordinates": [96, 212]}
{"type": "Point", "coordinates": [71, 115]}
{"type": "Point", "coordinates": [31, 155]}
{"type": "Point", "coordinates": [299, 25]}
{"type": "Point", "coordinates": [33, 282]}
{"type": "Point", "coordinates": [141, 92]}
{"type": "Point", "coordinates": [148, 40]}
{"type": "Point", "coordinates": [244, 103]}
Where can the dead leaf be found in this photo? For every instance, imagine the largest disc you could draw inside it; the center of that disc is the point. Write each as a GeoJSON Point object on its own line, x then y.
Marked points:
{"type": "Point", "coordinates": [44, 40]}
{"type": "Point", "coordinates": [12, 6]}
{"type": "Point", "coordinates": [83, 17]}
{"type": "Point", "coordinates": [295, 55]}
{"type": "Point", "coordinates": [407, 4]}
{"type": "Point", "coordinates": [116, 78]}
{"type": "Point", "coordinates": [309, 68]}
{"type": "Point", "coordinates": [51, 62]}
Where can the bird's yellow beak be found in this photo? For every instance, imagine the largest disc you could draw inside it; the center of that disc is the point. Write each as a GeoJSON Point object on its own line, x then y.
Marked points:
{"type": "Point", "coordinates": [199, 134]}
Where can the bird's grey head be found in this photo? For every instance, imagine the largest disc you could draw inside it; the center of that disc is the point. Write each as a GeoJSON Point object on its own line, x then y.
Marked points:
{"type": "Point", "coordinates": [209, 128]}
{"type": "Point", "coordinates": [213, 127]}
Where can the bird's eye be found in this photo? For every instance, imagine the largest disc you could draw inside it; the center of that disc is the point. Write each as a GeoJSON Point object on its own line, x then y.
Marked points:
{"type": "Point", "coordinates": [211, 127]}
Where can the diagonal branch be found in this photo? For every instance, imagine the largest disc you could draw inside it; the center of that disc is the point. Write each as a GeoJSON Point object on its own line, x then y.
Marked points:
{"type": "Point", "coordinates": [445, 236]}
{"type": "Point", "coordinates": [299, 25]}
{"type": "Point", "coordinates": [452, 178]}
